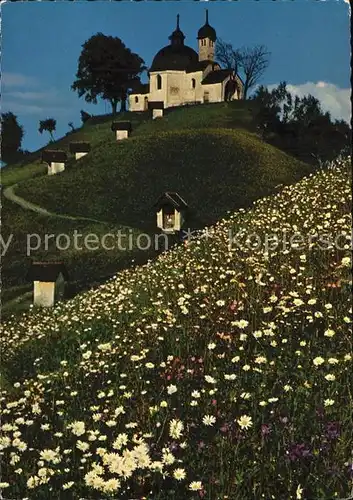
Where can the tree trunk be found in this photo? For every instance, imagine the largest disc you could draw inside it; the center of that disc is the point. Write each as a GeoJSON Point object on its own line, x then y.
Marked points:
{"type": "Point", "coordinates": [114, 104]}
{"type": "Point", "coordinates": [246, 89]}
{"type": "Point", "coordinates": [123, 104]}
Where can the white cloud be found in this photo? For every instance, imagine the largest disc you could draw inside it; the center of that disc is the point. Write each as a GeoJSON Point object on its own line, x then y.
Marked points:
{"type": "Point", "coordinates": [332, 98]}
{"type": "Point", "coordinates": [18, 80]}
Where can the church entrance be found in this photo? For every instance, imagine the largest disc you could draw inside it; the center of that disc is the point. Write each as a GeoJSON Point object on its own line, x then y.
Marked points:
{"type": "Point", "coordinates": [229, 91]}
{"type": "Point", "coordinates": [145, 107]}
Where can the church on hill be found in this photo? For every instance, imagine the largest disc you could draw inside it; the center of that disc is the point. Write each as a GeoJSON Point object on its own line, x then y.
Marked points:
{"type": "Point", "coordinates": [179, 75]}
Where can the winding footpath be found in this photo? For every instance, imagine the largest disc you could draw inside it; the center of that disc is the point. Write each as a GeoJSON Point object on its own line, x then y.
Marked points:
{"type": "Point", "coordinates": [9, 193]}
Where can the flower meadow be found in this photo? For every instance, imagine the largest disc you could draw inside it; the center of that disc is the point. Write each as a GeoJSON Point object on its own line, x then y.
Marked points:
{"type": "Point", "coordinates": [213, 372]}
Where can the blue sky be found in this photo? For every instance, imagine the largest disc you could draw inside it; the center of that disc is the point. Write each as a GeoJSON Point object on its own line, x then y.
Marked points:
{"type": "Point", "coordinates": [42, 41]}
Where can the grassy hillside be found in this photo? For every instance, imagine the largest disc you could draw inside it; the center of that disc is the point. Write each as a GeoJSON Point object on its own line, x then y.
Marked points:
{"type": "Point", "coordinates": [97, 129]}
{"type": "Point", "coordinates": [213, 170]}
{"type": "Point", "coordinates": [31, 240]}
{"type": "Point", "coordinates": [214, 372]}
{"type": "Point", "coordinates": [94, 130]}
{"type": "Point", "coordinates": [232, 115]}
{"type": "Point", "coordinates": [209, 154]}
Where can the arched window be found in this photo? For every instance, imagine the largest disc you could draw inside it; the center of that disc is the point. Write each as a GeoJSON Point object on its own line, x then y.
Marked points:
{"type": "Point", "coordinates": [159, 82]}
{"type": "Point", "coordinates": [136, 99]}
{"type": "Point", "coordinates": [193, 83]}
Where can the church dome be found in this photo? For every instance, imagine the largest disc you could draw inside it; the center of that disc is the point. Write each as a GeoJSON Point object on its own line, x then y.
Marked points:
{"type": "Point", "coordinates": [207, 31]}
{"type": "Point", "coordinates": [177, 57]}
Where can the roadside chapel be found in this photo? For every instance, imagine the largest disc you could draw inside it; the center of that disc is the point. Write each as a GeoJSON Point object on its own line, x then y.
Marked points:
{"type": "Point", "coordinates": [49, 279]}
{"type": "Point", "coordinates": [171, 212]}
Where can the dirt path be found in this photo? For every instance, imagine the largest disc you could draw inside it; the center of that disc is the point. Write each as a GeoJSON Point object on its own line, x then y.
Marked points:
{"type": "Point", "coordinates": [9, 193]}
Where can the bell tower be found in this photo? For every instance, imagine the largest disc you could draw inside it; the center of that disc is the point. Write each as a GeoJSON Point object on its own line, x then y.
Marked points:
{"type": "Point", "coordinates": [207, 40]}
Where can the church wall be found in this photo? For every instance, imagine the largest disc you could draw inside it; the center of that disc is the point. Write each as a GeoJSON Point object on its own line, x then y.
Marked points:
{"type": "Point", "coordinates": [121, 134]}
{"type": "Point", "coordinates": [155, 94]}
{"type": "Point", "coordinates": [80, 155]}
{"type": "Point", "coordinates": [241, 92]}
{"type": "Point", "coordinates": [55, 168]}
{"type": "Point", "coordinates": [175, 87]}
{"type": "Point", "coordinates": [157, 113]}
{"type": "Point", "coordinates": [193, 95]}
{"type": "Point", "coordinates": [224, 87]}
{"type": "Point", "coordinates": [214, 92]}
{"type": "Point", "coordinates": [137, 106]}
{"type": "Point", "coordinates": [206, 49]}
{"type": "Point", "coordinates": [43, 293]}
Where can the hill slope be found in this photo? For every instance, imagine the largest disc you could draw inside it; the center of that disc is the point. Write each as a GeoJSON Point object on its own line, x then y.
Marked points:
{"type": "Point", "coordinates": [214, 169]}
{"type": "Point", "coordinates": [238, 357]}
{"type": "Point", "coordinates": [237, 114]}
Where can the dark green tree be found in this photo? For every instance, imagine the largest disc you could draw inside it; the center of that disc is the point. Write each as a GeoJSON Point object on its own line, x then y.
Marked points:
{"type": "Point", "coordinates": [11, 137]}
{"type": "Point", "coordinates": [49, 125]}
{"type": "Point", "coordinates": [107, 69]}
{"type": "Point", "coordinates": [270, 108]}
{"type": "Point", "coordinates": [299, 126]}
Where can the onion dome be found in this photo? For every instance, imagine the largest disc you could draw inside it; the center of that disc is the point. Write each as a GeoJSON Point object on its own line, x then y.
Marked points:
{"type": "Point", "coordinates": [207, 31]}
{"type": "Point", "coordinates": [175, 56]}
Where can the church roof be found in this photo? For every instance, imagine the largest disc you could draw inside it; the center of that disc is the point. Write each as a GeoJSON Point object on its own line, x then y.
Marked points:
{"type": "Point", "coordinates": [201, 66]}
{"type": "Point", "coordinates": [46, 271]}
{"type": "Point", "coordinates": [217, 76]}
{"type": "Point", "coordinates": [141, 88]}
{"type": "Point", "coordinates": [207, 31]}
{"type": "Point", "coordinates": [177, 57]}
{"type": "Point", "coordinates": [49, 156]}
{"type": "Point", "coordinates": [170, 198]}
{"type": "Point", "coordinates": [80, 147]}
{"type": "Point", "coordinates": [156, 105]}
{"type": "Point", "coordinates": [121, 125]}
